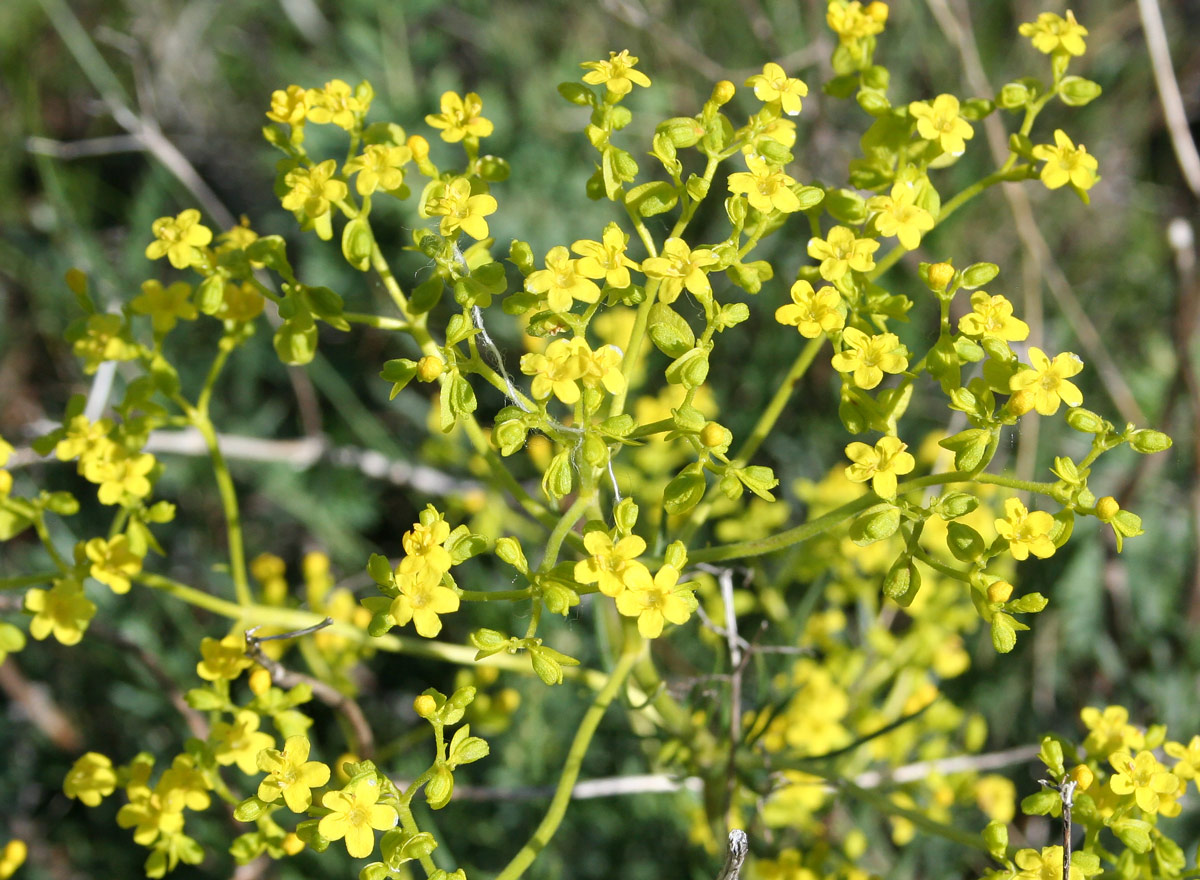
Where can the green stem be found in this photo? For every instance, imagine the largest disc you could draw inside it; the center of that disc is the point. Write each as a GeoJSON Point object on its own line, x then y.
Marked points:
{"type": "Point", "coordinates": [410, 825]}
{"type": "Point", "coordinates": [210, 381]}
{"type": "Point", "coordinates": [39, 524]}
{"type": "Point", "coordinates": [948, 570]}
{"type": "Point", "coordinates": [885, 805]}
{"type": "Point", "coordinates": [570, 772]}
{"type": "Point", "coordinates": [563, 527]}
{"type": "Point", "coordinates": [229, 503]}
{"type": "Point", "coordinates": [826, 522]}
{"type": "Point", "coordinates": [28, 580]}
{"type": "Point", "coordinates": [376, 321]}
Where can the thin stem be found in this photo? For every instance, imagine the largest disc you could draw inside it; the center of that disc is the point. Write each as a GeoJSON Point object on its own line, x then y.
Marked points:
{"type": "Point", "coordinates": [824, 523]}
{"type": "Point", "coordinates": [570, 772]}
{"type": "Point", "coordinates": [27, 580]}
{"type": "Point", "coordinates": [229, 503]}
{"type": "Point", "coordinates": [565, 523]}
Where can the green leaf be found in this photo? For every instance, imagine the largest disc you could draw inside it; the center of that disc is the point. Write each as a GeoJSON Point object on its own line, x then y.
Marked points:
{"type": "Point", "coordinates": [669, 331]}
{"type": "Point", "coordinates": [979, 274]}
{"type": "Point", "coordinates": [399, 372]}
{"type": "Point", "coordinates": [577, 93]}
{"type": "Point", "coordinates": [1004, 633]}
{"type": "Point", "coordinates": [964, 542]}
{"type": "Point", "coordinates": [685, 490]}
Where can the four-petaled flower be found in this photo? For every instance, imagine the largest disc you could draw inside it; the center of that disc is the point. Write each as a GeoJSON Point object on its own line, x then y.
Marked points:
{"type": "Point", "coordinates": [335, 103]}
{"type": "Point", "coordinates": [563, 281]}
{"type": "Point", "coordinates": [812, 312]}
{"type": "Point", "coordinates": [1150, 783]}
{"type": "Point", "coordinates": [869, 357]}
{"type": "Point", "coordinates": [1026, 532]}
{"type": "Point", "coordinates": [940, 122]}
{"type": "Point", "coordinates": [766, 187]}
{"type": "Point", "coordinates": [460, 117]}
{"type": "Point", "coordinates": [90, 779]}
{"type": "Point", "coordinates": [165, 305]}
{"type": "Point", "coordinates": [239, 741]}
{"type": "Point", "coordinates": [1044, 386]}
{"type": "Point", "coordinates": [654, 602]}
{"type": "Point", "coordinates": [1188, 765]}
{"type": "Point", "coordinates": [179, 238]}
{"type": "Point", "coordinates": [1045, 865]}
{"type": "Point", "coordinates": [62, 610]}
{"type": "Point", "coordinates": [678, 267]}
{"type": "Point", "coordinates": [461, 210]}
{"type": "Point", "coordinates": [774, 85]}
{"type": "Point", "coordinates": [1052, 33]}
{"type": "Point", "coordinates": [289, 106]}
{"type": "Point", "coordinates": [880, 464]}
{"type": "Point", "coordinates": [149, 815]}
{"type": "Point", "coordinates": [381, 166]}
{"type": "Point", "coordinates": [557, 370]}
{"type": "Point", "coordinates": [113, 562]}
{"type": "Point", "coordinates": [992, 316]}
{"type": "Point", "coordinates": [118, 473]}
{"type": "Point", "coordinates": [613, 567]}
{"type": "Point", "coordinates": [841, 251]}
{"type": "Point", "coordinates": [1110, 731]}
{"type": "Point", "coordinates": [422, 602]}
{"type": "Point", "coordinates": [292, 775]}
{"type": "Point", "coordinates": [851, 22]}
{"type": "Point", "coordinates": [426, 557]}
{"type": "Point", "coordinates": [224, 659]}
{"type": "Point", "coordinates": [899, 215]}
{"type": "Point", "coordinates": [311, 190]}
{"type": "Point", "coordinates": [103, 340]}
{"type": "Point", "coordinates": [606, 259]}
{"type": "Point", "coordinates": [356, 816]}
{"type": "Point", "coordinates": [1066, 163]}
{"type": "Point", "coordinates": [616, 73]}
{"type": "Point", "coordinates": [240, 302]}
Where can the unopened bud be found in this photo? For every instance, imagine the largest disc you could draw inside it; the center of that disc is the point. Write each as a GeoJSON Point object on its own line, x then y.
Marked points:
{"type": "Point", "coordinates": [419, 147]}
{"type": "Point", "coordinates": [714, 436]}
{"type": "Point", "coordinates": [1107, 508]}
{"type": "Point", "coordinates": [940, 276]}
{"type": "Point", "coordinates": [1000, 591]}
{"type": "Point", "coordinates": [723, 92]}
{"type": "Point", "coordinates": [877, 11]}
{"type": "Point", "coordinates": [429, 368]}
{"type": "Point", "coordinates": [260, 681]}
{"type": "Point", "coordinates": [292, 844]}
{"type": "Point", "coordinates": [424, 705]}
{"type": "Point", "coordinates": [1083, 776]}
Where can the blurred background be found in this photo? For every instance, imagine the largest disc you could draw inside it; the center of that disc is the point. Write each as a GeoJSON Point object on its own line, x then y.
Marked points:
{"type": "Point", "coordinates": [115, 113]}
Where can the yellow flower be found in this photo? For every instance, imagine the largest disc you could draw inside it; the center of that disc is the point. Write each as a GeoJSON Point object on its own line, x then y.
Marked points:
{"type": "Point", "coordinates": [288, 106]}
{"type": "Point", "coordinates": [1026, 532]}
{"type": "Point", "coordinates": [103, 340]}
{"type": "Point", "coordinates": [614, 567]}
{"type": "Point", "coordinates": [900, 215]}
{"type": "Point", "coordinates": [653, 602]}
{"type": "Point", "coordinates": [557, 371]}
{"type": "Point", "coordinates": [1066, 163]}
{"type": "Point", "coordinates": [678, 267]}
{"type": "Point", "coordinates": [184, 786]}
{"type": "Point", "coordinates": [996, 797]}
{"type": "Point", "coordinates": [179, 238]}
{"type": "Point", "coordinates": [1053, 33]}
{"type": "Point", "coordinates": [90, 779]}
{"type": "Point", "coordinates": [840, 252]}
{"type": "Point", "coordinates": [1143, 777]}
{"type": "Point", "coordinates": [880, 464]}
{"type": "Point", "coordinates": [812, 313]}
{"type": "Point", "coordinates": [6, 450]}
{"type": "Point", "coordinates": [563, 281]}
{"type": "Point", "coordinates": [851, 22]}
{"type": "Point", "coordinates": [992, 316]}
{"type": "Point", "coordinates": [1110, 731]}
{"type": "Point", "coordinates": [941, 122]}
{"type": "Point", "coordinates": [311, 190]}
{"type": "Point", "coordinates": [605, 260]}
{"type": "Point", "coordinates": [81, 437]}
{"type": "Point", "coordinates": [224, 659]}
{"type": "Point", "coordinates": [165, 306]}
{"type": "Point", "coordinates": [239, 741]}
{"type": "Point", "coordinates": [1044, 386]}
{"type": "Point", "coordinates": [869, 357]}
{"type": "Point", "coordinates": [461, 210]}
{"type": "Point", "coordinates": [616, 73]}
{"type": "Point", "coordinates": [63, 610]}
{"type": "Point", "coordinates": [602, 368]}
{"type": "Point", "coordinates": [381, 166]}
{"type": "Point", "coordinates": [775, 85]}
{"type": "Point", "coordinates": [118, 474]}
{"type": "Point", "coordinates": [292, 775]}
{"type": "Point", "coordinates": [426, 557]}
{"type": "Point", "coordinates": [1045, 865]}
{"type": "Point", "coordinates": [1188, 766]}
{"type": "Point", "coordinates": [148, 815]}
{"type": "Point", "coordinates": [335, 103]}
{"type": "Point", "coordinates": [766, 187]}
{"type": "Point", "coordinates": [240, 302]}
{"type": "Point", "coordinates": [422, 602]}
{"type": "Point", "coordinates": [460, 118]}
{"type": "Point", "coordinates": [12, 857]}
{"type": "Point", "coordinates": [113, 563]}
{"type": "Point", "coordinates": [356, 812]}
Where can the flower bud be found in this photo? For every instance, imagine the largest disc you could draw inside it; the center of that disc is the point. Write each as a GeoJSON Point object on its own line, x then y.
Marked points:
{"type": "Point", "coordinates": [1083, 776]}
{"type": "Point", "coordinates": [1000, 591]}
{"type": "Point", "coordinates": [723, 92]}
{"type": "Point", "coordinates": [429, 368]}
{"type": "Point", "coordinates": [419, 147]}
{"type": "Point", "coordinates": [1107, 508]}
{"type": "Point", "coordinates": [260, 681]}
{"type": "Point", "coordinates": [877, 11]}
{"type": "Point", "coordinates": [292, 844]}
{"type": "Point", "coordinates": [424, 705]}
{"type": "Point", "coordinates": [940, 276]}
{"type": "Point", "coordinates": [715, 436]}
